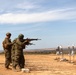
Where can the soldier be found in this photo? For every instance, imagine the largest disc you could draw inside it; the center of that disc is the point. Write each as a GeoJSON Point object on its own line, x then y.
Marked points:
{"type": "Point", "coordinates": [18, 60]}
{"type": "Point", "coordinates": [7, 49]}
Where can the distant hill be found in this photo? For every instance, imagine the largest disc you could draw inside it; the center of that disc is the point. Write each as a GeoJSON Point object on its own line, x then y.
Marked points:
{"type": "Point", "coordinates": [48, 50]}
{"type": "Point", "coordinates": [44, 50]}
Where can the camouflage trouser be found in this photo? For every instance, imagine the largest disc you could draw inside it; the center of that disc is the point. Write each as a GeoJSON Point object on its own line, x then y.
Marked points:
{"type": "Point", "coordinates": [7, 58]}
{"type": "Point", "coordinates": [20, 61]}
{"type": "Point", "coordinates": [13, 58]}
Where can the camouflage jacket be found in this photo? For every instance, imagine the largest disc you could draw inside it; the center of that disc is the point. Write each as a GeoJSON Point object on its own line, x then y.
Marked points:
{"type": "Point", "coordinates": [18, 46]}
{"type": "Point", "coordinates": [7, 43]}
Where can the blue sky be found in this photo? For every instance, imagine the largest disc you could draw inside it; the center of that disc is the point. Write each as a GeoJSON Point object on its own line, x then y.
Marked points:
{"type": "Point", "coordinates": [53, 21]}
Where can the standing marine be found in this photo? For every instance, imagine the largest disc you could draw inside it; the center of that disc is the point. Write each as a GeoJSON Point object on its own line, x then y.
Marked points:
{"type": "Point", "coordinates": [7, 45]}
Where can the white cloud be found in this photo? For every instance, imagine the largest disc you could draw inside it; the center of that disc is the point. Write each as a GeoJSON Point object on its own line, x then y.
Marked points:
{"type": "Point", "coordinates": [38, 17]}
{"type": "Point", "coordinates": [27, 5]}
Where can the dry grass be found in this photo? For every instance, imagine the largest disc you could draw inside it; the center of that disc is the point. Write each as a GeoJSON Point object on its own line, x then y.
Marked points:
{"type": "Point", "coordinates": [42, 65]}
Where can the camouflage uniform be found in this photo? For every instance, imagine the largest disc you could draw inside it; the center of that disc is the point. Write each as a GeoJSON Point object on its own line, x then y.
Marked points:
{"type": "Point", "coordinates": [17, 52]}
{"type": "Point", "coordinates": [13, 54]}
{"type": "Point", "coordinates": [7, 49]}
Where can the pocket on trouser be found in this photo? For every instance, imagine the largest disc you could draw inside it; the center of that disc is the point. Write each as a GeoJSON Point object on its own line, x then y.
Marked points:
{"type": "Point", "coordinates": [7, 63]}
{"type": "Point", "coordinates": [7, 55]}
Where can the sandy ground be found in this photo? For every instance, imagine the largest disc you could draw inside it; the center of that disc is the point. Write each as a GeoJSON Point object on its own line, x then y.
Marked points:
{"type": "Point", "coordinates": [42, 65]}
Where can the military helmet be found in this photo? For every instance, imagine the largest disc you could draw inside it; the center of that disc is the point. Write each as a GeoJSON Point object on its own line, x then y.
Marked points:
{"type": "Point", "coordinates": [8, 34]}
{"type": "Point", "coordinates": [21, 36]}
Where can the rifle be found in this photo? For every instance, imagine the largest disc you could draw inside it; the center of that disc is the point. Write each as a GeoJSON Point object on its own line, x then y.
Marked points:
{"type": "Point", "coordinates": [29, 40]}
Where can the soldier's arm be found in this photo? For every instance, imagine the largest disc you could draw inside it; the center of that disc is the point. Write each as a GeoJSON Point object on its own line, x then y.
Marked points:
{"type": "Point", "coordinates": [8, 43]}
{"type": "Point", "coordinates": [25, 42]}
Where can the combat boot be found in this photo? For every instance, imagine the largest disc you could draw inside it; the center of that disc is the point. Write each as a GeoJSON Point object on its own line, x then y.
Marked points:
{"type": "Point", "coordinates": [7, 68]}
{"type": "Point", "coordinates": [18, 68]}
{"type": "Point", "coordinates": [14, 69]}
